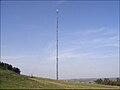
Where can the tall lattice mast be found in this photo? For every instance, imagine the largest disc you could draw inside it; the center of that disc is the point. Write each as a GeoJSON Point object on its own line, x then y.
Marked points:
{"type": "Point", "coordinates": [57, 48]}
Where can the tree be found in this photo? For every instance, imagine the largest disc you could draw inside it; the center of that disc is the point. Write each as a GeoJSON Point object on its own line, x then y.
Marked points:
{"type": "Point", "coordinates": [17, 70]}
{"type": "Point", "coordinates": [99, 81]}
{"type": "Point", "coordinates": [118, 81]}
{"type": "Point", "coordinates": [9, 67]}
{"type": "Point", "coordinates": [106, 81]}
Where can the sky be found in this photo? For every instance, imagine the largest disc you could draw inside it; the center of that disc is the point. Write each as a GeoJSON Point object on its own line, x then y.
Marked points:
{"type": "Point", "coordinates": [88, 38]}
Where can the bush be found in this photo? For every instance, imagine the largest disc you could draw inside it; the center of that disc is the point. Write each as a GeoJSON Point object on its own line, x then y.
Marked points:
{"type": "Point", "coordinates": [107, 81]}
{"type": "Point", "coordinates": [9, 67]}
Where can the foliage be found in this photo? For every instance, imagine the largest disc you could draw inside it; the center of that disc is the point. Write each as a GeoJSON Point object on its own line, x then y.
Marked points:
{"type": "Point", "coordinates": [9, 67]}
{"type": "Point", "coordinates": [107, 81]}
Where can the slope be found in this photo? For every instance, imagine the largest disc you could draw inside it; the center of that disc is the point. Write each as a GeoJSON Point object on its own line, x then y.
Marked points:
{"type": "Point", "coordinates": [11, 80]}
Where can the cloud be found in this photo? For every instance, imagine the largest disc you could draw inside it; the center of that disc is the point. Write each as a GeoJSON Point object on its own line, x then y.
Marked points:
{"type": "Point", "coordinates": [89, 31]}
{"type": "Point", "coordinates": [88, 46]}
{"type": "Point", "coordinates": [12, 57]}
{"type": "Point", "coordinates": [84, 56]}
{"type": "Point", "coordinates": [96, 38]}
{"type": "Point", "coordinates": [58, 3]}
{"type": "Point", "coordinates": [76, 50]}
{"type": "Point", "coordinates": [75, 46]}
{"type": "Point", "coordinates": [102, 29]}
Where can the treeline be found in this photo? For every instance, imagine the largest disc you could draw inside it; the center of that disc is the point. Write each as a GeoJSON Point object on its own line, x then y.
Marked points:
{"type": "Point", "coordinates": [107, 81]}
{"type": "Point", "coordinates": [9, 67]}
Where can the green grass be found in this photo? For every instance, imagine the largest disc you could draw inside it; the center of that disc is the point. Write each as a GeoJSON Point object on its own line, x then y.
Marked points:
{"type": "Point", "coordinates": [11, 80]}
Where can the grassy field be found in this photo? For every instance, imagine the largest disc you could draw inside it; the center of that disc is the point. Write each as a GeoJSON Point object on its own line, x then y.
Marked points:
{"type": "Point", "coordinates": [11, 80]}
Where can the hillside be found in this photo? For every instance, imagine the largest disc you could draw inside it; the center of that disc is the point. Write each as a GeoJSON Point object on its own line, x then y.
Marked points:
{"type": "Point", "coordinates": [12, 80]}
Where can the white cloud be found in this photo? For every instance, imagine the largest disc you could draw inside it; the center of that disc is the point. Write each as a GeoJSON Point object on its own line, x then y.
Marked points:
{"type": "Point", "coordinates": [102, 37]}
{"type": "Point", "coordinates": [73, 51]}
{"type": "Point", "coordinates": [102, 29]}
{"type": "Point", "coordinates": [59, 2]}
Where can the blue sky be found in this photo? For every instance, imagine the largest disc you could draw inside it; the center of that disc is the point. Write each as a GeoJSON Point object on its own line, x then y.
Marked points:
{"type": "Point", "coordinates": [88, 38]}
